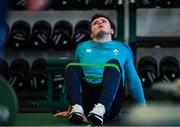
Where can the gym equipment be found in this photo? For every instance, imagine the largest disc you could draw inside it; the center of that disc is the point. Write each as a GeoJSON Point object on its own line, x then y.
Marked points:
{"type": "Point", "coordinates": [8, 103]}
{"type": "Point", "coordinates": [40, 37]}
{"type": "Point", "coordinates": [149, 41]}
{"type": "Point", "coordinates": [18, 73]}
{"type": "Point", "coordinates": [168, 3]}
{"type": "Point", "coordinates": [56, 65]}
{"type": "Point", "coordinates": [106, 4]}
{"type": "Point", "coordinates": [62, 32]}
{"type": "Point", "coordinates": [145, 3]}
{"type": "Point", "coordinates": [62, 4]}
{"type": "Point", "coordinates": [38, 74]}
{"type": "Point", "coordinates": [147, 70]}
{"type": "Point", "coordinates": [57, 82]}
{"type": "Point", "coordinates": [91, 64]}
{"type": "Point", "coordinates": [19, 35]}
{"type": "Point", "coordinates": [4, 68]}
{"type": "Point", "coordinates": [37, 5]}
{"type": "Point", "coordinates": [81, 32]}
{"type": "Point", "coordinates": [18, 4]}
{"type": "Point", "coordinates": [83, 4]}
{"type": "Point", "coordinates": [164, 91]}
{"type": "Point", "coordinates": [170, 41]}
{"type": "Point", "coordinates": [156, 114]}
{"type": "Point", "coordinates": [169, 69]}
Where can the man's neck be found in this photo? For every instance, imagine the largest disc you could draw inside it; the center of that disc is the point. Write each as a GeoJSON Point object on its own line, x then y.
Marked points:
{"type": "Point", "coordinates": [104, 39]}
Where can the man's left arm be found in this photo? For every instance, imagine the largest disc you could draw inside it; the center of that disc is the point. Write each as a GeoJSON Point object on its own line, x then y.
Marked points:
{"type": "Point", "coordinates": [133, 80]}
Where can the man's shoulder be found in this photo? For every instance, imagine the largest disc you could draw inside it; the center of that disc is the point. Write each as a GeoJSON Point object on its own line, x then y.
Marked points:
{"type": "Point", "coordinates": [84, 43]}
{"type": "Point", "coordinates": [121, 43]}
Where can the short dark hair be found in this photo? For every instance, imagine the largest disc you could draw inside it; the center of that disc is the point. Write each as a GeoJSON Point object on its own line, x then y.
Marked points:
{"type": "Point", "coordinates": [104, 16]}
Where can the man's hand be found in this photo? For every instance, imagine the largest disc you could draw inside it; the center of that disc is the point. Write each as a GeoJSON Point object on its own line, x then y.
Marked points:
{"type": "Point", "coordinates": [64, 113]}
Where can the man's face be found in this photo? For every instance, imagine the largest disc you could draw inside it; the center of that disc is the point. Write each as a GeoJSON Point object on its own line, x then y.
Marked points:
{"type": "Point", "coordinates": [101, 26]}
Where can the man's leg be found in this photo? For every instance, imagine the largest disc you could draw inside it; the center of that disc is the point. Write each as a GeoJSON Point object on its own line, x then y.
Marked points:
{"type": "Point", "coordinates": [72, 80]}
{"type": "Point", "coordinates": [91, 93]}
{"type": "Point", "coordinates": [73, 76]}
{"type": "Point", "coordinates": [110, 85]}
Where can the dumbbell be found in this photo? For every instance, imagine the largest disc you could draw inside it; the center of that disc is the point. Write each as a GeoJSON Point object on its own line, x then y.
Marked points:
{"type": "Point", "coordinates": [19, 35]}
{"type": "Point", "coordinates": [168, 3]}
{"type": "Point", "coordinates": [147, 70]}
{"type": "Point", "coordinates": [18, 4]}
{"type": "Point", "coordinates": [38, 74]}
{"type": "Point", "coordinates": [4, 66]}
{"type": "Point", "coordinates": [62, 32]}
{"type": "Point", "coordinates": [62, 4]}
{"type": "Point", "coordinates": [58, 83]}
{"type": "Point", "coordinates": [40, 36]}
{"type": "Point", "coordinates": [149, 41]}
{"type": "Point", "coordinates": [170, 42]}
{"type": "Point", "coordinates": [169, 69]}
{"type": "Point", "coordinates": [106, 4]}
{"type": "Point", "coordinates": [8, 103]}
{"type": "Point", "coordinates": [83, 4]}
{"type": "Point", "coordinates": [37, 5]}
{"type": "Point", "coordinates": [81, 32]}
{"type": "Point", "coordinates": [18, 73]}
{"type": "Point", "coordinates": [145, 3]}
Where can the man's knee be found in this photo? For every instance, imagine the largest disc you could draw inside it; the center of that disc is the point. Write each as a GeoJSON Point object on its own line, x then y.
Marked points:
{"type": "Point", "coordinates": [74, 68]}
{"type": "Point", "coordinates": [113, 61]}
{"type": "Point", "coordinates": [71, 70]}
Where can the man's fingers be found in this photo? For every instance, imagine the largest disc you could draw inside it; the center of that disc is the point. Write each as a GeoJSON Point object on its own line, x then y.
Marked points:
{"type": "Point", "coordinates": [61, 114]}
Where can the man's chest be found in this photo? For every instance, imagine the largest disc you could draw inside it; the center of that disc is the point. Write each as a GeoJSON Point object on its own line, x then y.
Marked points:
{"type": "Point", "coordinates": [94, 55]}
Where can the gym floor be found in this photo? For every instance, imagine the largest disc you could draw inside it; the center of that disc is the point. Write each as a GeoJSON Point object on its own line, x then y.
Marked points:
{"type": "Point", "coordinates": [41, 119]}
{"type": "Point", "coordinates": [47, 119]}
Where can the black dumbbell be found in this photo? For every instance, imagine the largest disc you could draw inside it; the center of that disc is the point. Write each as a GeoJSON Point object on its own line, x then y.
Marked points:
{"type": "Point", "coordinates": [62, 32]}
{"type": "Point", "coordinates": [58, 83]}
{"type": "Point", "coordinates": [62, 4]}
{"type": "Point", "coordinates": [168, 3]}
{"type": "Point", "coordinates": [170, 42]}
{"type": "Point", "coordinates": [147, 70]}
{"type": "Point", "coordinates": [4, 67]}
{"type": "Point", "coordinates": [106, 4]}
{"type": "Point", "coordinates": [83, 4]}
{"type": "Point", "coordinates": [8, 103]}
{"type": "Point", "coordinates": [145, 3]}
{"type": "Point", "coordinates": [40, 36]}
{"type": "Point", "coordinates": [38, 74]}
{"type": "Point", "coordinates": [169, 69]}
{"type": "Point", "coordinates": [18, 4]}
{"type": "Point", "coordinates": [149, 41]}
{"type": "Point", "coordinates": [19, 35]}
{"type": "Point", "coordinates": [18, 73]}
{"type": "Point", "coordinates": [81, 32]}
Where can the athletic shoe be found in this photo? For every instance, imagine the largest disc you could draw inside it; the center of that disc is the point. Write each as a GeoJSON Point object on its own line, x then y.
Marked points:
{"type": "Point", "coordinates": [97, 114]}
{"type": "Point", "coordinates": [77, 115]}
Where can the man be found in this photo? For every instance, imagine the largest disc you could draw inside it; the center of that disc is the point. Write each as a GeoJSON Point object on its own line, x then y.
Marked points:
{"type": "Point", "coordinates": [100, 99]}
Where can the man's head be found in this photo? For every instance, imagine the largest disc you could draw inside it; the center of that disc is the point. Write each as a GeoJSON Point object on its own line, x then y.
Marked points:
{"type": "Point", "coordinates": [101, 25]}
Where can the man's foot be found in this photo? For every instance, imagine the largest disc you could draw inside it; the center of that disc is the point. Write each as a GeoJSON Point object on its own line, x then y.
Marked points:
{"type": "Point", "coordinates": [97, 114]}
{"type": "Point", "coordinates": [76, 115]}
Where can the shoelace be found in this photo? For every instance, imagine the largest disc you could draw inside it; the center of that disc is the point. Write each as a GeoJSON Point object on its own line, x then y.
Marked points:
{"type": "Point", "coordinates": [98, 109]}
{"type": "Point", "coordinates": [76, 108]}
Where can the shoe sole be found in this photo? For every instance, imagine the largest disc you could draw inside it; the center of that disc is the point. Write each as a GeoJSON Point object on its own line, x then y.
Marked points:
{"type": "Point", "coordinates": [76, 119]}
{"type": "Point", "coordinates": [95, 120]}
